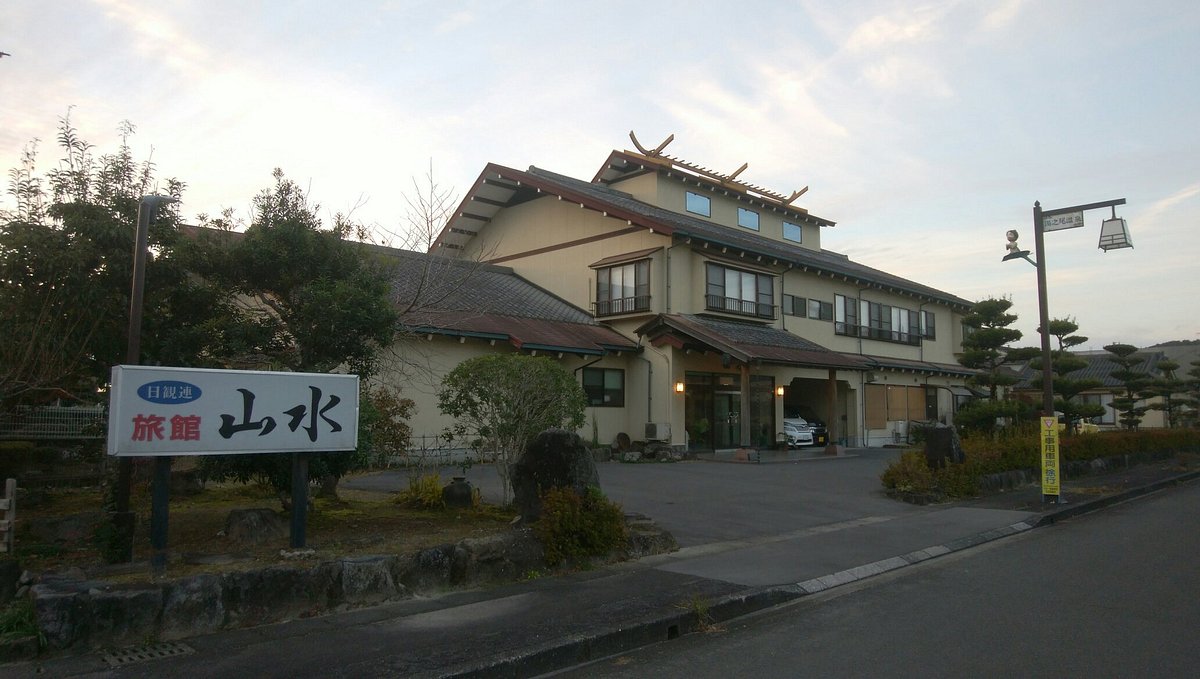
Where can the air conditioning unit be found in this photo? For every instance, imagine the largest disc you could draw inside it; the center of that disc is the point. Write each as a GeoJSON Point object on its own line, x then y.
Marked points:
{"type": "Point", "coordinates": [658, 431]}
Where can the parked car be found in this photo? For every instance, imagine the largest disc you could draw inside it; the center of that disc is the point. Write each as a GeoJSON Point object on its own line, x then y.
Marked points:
{"type": "Point", "coordinates": [819, 431]}
{"type": "Point", "coordinates": [798, 433]}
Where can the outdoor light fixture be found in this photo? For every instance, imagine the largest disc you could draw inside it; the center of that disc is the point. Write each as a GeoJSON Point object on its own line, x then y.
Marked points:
{"type": "Point", "coordinates": [1114, 234]}
{"type": "Point", "coordinates": [679, 387]}
{"type": "Point", "coordinates": [779, 391]}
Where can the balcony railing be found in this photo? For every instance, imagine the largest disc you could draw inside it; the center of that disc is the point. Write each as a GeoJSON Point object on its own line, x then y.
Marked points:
{"type": "Point", "coordinates": [882, 334]}
{"type": "Point", "coordinates": [739, 306]}
{"type": "Point", "coordinates": [624, 305]}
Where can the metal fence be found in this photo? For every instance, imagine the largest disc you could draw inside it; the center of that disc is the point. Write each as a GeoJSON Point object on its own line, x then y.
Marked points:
{"type": "Point", "coordinates": [54, 422]}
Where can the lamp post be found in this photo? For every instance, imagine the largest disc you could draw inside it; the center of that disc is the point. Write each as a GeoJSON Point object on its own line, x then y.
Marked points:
{"type": "Point", "coordinates": [123, 519]}
{"type": "Point", "coordinates": [1114, 234]}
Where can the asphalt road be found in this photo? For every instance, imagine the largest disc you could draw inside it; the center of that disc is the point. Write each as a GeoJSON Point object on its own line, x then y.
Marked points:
{"type": "Point", "coordinates": [1112, 594]}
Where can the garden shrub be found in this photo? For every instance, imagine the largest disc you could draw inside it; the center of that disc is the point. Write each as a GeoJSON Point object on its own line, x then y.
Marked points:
{"type": "Point", "coordinates": [909, 474]}
{"type": "Point", "coordinates": [423, 492]}
{"type": "Point", "coordinates": [1018, 447]}
{"type": "Point", "coordinates": [573, 527]}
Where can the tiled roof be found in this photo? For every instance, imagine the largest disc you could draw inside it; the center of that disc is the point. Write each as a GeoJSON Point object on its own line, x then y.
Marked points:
{"type": "Point", "coordinates": [919, 366]}
{"type": "Point", "coordinates": [682, 225]}
{"type": "Point", "coordinates": [751, 342]}
{"type": "Point", "coordinates": [454, 297]}
{"type": "Point", "coordinates": [1099, 367]}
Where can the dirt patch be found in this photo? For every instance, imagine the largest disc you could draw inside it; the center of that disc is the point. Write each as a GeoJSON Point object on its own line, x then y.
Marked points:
{"type": "Point", "coordinates": [357, 523]}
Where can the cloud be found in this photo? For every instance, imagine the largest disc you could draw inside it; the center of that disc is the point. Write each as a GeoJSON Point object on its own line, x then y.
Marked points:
{"type": "Point", "coordinates": [1153, 215]}
{"type": "Point", "coordinates": [454, 22]}
{"type": "Point", "coordinates": [1003, 15]}
{"type": "Point", "coordinates": [886, 31]}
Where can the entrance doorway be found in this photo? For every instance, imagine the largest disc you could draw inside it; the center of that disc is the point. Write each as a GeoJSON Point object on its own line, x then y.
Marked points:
{"type": "Point", "coordinates": [727, 418]}
{"type": "Point", "coordinates": [713, 413]}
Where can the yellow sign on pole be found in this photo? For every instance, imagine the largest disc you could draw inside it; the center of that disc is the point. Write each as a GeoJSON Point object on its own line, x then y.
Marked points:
{"type": "Point", "coordinates": [1050, 450]}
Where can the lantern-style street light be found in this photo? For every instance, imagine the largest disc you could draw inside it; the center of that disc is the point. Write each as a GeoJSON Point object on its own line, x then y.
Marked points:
{"type": "Point", "coordinates": [1114, 234]}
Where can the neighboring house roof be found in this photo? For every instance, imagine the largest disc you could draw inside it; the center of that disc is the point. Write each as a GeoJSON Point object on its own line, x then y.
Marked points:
{"type": "Point", "coordinates": [745, 342]}
{"type": "Point", "coordinates": [459, 298]}
{"type": "Point", "coordinates": [1099, 367]}
{"type": "Point", "coordinates": [499, 187]}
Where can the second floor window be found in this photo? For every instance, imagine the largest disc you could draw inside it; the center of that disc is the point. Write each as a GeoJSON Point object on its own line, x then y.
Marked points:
{"type": "Point", "coordinates": [698, 204]}
{"type": "Point", "coordinates": [928, 327]}
{"type": "Point", "coordinates": [793, 232]}
{"type": "Point", "coordinates": [795, 306]}
{"type": "Point", "coordinates": [748, 218]}
{"type": "Point", "coordinates": [623, 288]}
{"type": "Point", "coordinates": [739, 292]}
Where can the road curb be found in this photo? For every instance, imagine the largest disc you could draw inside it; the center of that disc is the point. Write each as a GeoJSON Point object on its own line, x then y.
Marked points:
{"type": "Point", "coordinates": [1088, 506]}
{"type": "Point", "coordinates": [698, 616]}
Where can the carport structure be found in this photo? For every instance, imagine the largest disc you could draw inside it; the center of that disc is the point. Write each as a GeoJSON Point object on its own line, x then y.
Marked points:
{"type": "Point", "coordinates": [735, 376]}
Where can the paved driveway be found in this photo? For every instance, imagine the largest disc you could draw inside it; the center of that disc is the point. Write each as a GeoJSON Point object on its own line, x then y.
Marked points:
{"type": "Point", "coordinates": [771, 523]}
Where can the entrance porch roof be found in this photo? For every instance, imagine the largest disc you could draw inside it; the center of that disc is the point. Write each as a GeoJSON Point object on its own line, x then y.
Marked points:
{"type": "Point", "coordinates": [745, 342]}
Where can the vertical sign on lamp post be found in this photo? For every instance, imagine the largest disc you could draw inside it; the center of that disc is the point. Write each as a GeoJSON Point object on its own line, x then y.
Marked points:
{"type": "Point", "coordinates": [1050, 451]}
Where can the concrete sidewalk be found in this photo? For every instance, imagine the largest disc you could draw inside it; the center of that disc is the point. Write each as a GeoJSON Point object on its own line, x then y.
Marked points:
{"type": "Point", "coordinates": [768, 535]}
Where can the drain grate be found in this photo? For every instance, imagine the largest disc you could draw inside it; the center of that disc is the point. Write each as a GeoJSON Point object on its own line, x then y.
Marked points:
{"type": "Point", "coordinates": [137, 654]}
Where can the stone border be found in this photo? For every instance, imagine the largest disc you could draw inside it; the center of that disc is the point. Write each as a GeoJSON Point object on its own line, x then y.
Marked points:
{"type": "Point", "coordinates": [74, 613]}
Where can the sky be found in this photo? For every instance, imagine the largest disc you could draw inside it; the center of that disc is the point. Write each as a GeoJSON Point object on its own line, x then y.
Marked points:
{"type": "Point", "coordinates": [926, 130]}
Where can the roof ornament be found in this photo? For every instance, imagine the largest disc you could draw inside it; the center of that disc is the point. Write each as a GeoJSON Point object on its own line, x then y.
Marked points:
{"type": "Point", "coordinates": [657, 150]}
{"type": "Point", "coordinates": [729, 180]}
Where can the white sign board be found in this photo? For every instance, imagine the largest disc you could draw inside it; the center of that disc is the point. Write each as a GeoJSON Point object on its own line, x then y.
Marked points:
{"type": "Point", "coordinates": [189, 411]}
{"type": "Point", "coordinates": [1071, 220]}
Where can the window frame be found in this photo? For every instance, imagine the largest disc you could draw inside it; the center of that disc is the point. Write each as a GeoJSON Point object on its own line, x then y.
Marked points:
{"type": "Point", "coordinates": [928, 325]}
{"type": "Point", "coordinates": [700, 200]}
{"type": "Point", "coordinates": [799, 232]}
{"type": "Point", "coordinates": [603, 398]}
{"type": "Point", "coordinates": [823, 311]}
{"type": "Point", "coordinates": [790, 304]}
{"type": "Point", "coordinates": [719, 278]}
{"type": "Point", "coordinates": [750, 216]}
{"type": "Point", "coordinates": [607, 304]}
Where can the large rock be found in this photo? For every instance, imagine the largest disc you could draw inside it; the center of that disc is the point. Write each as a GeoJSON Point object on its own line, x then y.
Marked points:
{"type": "Point", "coordinates": [556, 458]}
{"type": "Point", "coordinates": [255, 526]}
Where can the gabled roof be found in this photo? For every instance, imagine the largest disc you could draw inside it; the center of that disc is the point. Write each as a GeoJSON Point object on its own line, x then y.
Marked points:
{"type": "Point", "coordinates": [1099, 367]}
{"type": "Point", "coordinates": [442, 296]}
{"type": "Point", "coordinates": [745, 342]}
{"type": "Point", "coordinates": [623, 165]}
{"type": "Point", "coordinates": [499, 187]}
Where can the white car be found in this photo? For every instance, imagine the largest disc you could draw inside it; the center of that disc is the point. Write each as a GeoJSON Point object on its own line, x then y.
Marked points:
{"type": "Point", "coordinates": [798, 432]}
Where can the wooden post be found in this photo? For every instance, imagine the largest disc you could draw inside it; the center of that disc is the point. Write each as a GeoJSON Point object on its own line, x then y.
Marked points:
{"type": "Point", "coordinates": [9, 505]}
{"type": "Point", "coordinates": [160, 513]}
{"type": "Point", "coordinates": [299, 498]}
{"type": "Point", "coordinates": [832, 422]}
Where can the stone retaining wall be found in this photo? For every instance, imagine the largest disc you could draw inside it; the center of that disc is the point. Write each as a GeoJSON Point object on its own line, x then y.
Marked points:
{"type": "Point", "coordinates": [73, 612]}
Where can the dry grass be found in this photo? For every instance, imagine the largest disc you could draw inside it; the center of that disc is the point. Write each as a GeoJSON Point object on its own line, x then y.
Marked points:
{"type": "Point", "coordinates": [357, 523]}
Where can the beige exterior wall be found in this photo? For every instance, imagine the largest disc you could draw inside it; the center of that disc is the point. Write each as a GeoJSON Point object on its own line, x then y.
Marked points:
{"type": "Point", "coordinates": [670, 193]}
{"type": "Point", "coordinates": [417, 366]}
{"type": "Point", "coordinates": [519, 237]}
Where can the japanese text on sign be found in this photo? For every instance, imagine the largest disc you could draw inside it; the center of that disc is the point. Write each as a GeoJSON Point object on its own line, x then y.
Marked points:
{"type": "Point", "coordinates": [187, 411]}
{"type": "Point", "coordinates": [1050, 455]}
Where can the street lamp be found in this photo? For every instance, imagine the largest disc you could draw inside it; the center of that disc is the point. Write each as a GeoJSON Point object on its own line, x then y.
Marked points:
{"type": "Point", "coordinates": [1114, 234]}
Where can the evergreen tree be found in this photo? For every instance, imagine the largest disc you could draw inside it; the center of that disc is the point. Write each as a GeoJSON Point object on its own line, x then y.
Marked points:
{"type": "Point", "coordinates": [1134, 381]}
{"type": "Point", "coordinates": [1064, 363]}
{"type": "Point", "coordinates": [985, 348]}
